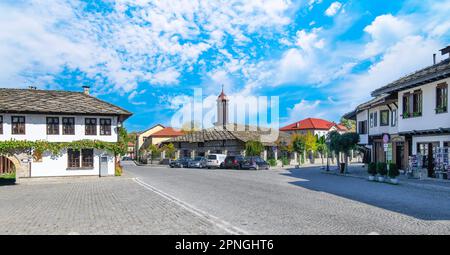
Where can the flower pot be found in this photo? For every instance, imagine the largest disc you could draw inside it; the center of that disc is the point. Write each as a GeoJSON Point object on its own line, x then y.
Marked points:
{"type": "Point", "coordinates": [381, 178]}
{"type": "Point", "coordinates": [371, 178]}
{"type": "Point", "coordinates": [394, 180]}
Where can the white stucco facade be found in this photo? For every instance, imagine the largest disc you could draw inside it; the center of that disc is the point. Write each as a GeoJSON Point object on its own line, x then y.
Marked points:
{"type": "Point", "coordinates": [49, 165]}
{"type": "Point", "coordinates": [429, 120]}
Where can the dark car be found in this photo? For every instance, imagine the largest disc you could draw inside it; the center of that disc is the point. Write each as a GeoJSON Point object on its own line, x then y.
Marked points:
{"type": "Point", "coordinates": [197, 162]}
{"type": "Point", "coordinates": [256, 163]}
{"type": "Point", "coordinates": [182, 162]}
{"type": "Point", "coordinates": [233, 162]}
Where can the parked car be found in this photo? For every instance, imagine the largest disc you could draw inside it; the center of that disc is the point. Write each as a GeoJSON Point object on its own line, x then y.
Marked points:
{"type": "Point", "coordinates": [233, 162]}
{"type": "Point", "coordinates": [126, 158]}
{"type": "Point", "coordinates": [182, 162]}
{"type": "Point", "coordinates": [215, 160]}
{"type": "Point", "coordinates": [197, 162]}
{"type": "Point", "coordinates": [256, 163]}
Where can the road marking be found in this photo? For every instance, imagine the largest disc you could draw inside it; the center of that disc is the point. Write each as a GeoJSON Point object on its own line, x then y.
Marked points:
{"type": "Point", "coordinates": [202, 214]}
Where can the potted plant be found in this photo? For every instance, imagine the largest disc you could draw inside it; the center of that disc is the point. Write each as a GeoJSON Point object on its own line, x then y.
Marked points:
{"type": "Point", "coordinates": [372, 170]}
{"type": "Point", "coordinates": [381, 170]}
{"type": "Point", "coordinates": [393, 173]}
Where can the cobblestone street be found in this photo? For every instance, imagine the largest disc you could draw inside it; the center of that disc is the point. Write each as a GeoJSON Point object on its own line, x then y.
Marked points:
{"type": "Point", "coordinates": [94, 206]}
{"type": "Point", "coordinates": [160, 200]}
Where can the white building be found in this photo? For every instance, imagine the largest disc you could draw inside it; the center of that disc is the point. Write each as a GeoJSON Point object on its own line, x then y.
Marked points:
{"type": "Point", "coordinates": [59, 116]}
{"type": "Point", "coordinates": [413, 112]}
{"type": "Point", "coordinates": [319, 127]}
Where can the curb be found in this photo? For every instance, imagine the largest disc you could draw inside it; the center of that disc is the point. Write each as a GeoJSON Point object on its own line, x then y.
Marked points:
{"type": "Point", "coordinates": [405, 183]}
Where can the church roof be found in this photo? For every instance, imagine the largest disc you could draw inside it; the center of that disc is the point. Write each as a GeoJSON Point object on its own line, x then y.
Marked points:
{"type": "Point", "coordinates": [222, 96]}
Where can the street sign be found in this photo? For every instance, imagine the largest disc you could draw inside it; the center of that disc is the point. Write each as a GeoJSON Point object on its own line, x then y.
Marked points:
{"type": "Point", "coordinates": [386, 138]}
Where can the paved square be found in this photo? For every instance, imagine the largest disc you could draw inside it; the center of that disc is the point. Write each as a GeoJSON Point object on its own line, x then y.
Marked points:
{"type": "Point", "coordinates": [94, 206]}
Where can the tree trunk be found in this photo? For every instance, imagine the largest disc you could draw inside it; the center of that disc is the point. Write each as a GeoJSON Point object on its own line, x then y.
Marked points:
{"type": "Point", "coordinates": [346, 161]}
{"type": "Point", "coordinates": [338, 160]}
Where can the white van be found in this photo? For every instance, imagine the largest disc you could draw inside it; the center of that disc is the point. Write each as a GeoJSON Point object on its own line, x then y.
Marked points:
{"type": "Point", "coordinates": [214, 160]}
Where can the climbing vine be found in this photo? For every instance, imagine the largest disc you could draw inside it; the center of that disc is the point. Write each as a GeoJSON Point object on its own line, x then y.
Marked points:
{"type": "Point", "coordinates": [16, 147]}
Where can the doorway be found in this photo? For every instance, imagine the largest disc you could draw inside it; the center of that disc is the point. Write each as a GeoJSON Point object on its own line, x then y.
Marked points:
{"type": "Point", "coordinates": [399, 155]}
{"type": "Point", "coordinates": [427, 152]}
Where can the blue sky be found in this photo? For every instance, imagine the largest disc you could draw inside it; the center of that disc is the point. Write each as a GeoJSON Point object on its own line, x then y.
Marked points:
{"type": "Point", "coordinates": [320, 57]}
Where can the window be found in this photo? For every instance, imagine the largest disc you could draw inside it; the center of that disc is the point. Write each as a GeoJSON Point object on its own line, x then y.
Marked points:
{"type": "Point", "coordinates": [18, 125]}
{"type": "Point", "coordinates": [394, 118]}
{"type": "Point", "coordinates": [362, 127]}
{"type": "Point", "coordinates": [105, 126]}
{"type": "Point", "coordinates": [441, 98]}
{"type": "Point", "coordinates": [90, 126]}
{"type": "Point", "coordinates": [83, 159]}
{"type": "Point", "coordinates": [68, 125]}
{"type": "Point", "coordinates": [87, 158]}
{"type": "Point", "coordinates": [73, 158]}
{"type": "Point", "coordinates": [384, 118]}
{"type": "Point", "coordinates": [375, 119]}
{"type": "Point", "coordinates": [412, 104]}
{"type": "Point", "coordinates": [1, 124]}
{"type": "Point", "coordinates": [371, 119]}
{"type": "Point", "coordinates": [52, 126]}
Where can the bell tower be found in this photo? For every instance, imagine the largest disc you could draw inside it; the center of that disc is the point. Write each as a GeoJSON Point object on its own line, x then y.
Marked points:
{"type": "Point", "coordinates": [222, 109]}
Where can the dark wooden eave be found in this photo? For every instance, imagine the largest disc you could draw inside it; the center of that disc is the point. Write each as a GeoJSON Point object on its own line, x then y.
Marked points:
{"type": "Point", "coordinates": [438, 131]}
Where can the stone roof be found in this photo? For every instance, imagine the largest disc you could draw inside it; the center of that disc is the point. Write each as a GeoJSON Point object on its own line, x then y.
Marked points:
{"type": "Point", "coordinates": [56, 102]}
{"type": "Point", "coordinates": [432, 73]}
{"type": "Point", "coordinates": [215, 134]}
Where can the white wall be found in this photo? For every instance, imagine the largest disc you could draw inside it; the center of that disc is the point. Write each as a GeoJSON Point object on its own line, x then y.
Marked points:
{"type": "Point", "coordinates": [429, 118]}
{"type": "Point", "coordinates": [379, 130]}
{"type": "Point", "coordinates": [57, 166]}
{"type": "Point", "coordinates": [36, 129]}
{"type": "Point", "coordinates": [362, 116]}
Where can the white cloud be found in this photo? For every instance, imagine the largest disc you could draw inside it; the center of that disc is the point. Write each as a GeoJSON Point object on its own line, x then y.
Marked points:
{"type": "Point", "coordinates": [303, 109]}
{"type": "Point", "coordinates": [309, 41]}
{"type": "Point", "coordinates": [127, 43]}
{"type": "Point", "coordinates": [385, 31]}
{"type": "Point", "coordinates": [406, 56]}
{"type": "Point", "coordinates": [333, 9]}
{"type": "Point", "coordinates": [166, 77]}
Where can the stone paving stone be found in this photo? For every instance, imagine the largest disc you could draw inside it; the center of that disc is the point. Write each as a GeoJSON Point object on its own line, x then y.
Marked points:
{"type": "Point", "coordinates": [94, 206]}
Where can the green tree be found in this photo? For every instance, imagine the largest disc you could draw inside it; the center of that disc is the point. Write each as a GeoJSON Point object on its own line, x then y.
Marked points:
{"type": "Point", "coordinates": [298, 144]}
{"type": "Point", "coordinates": [343, 143]}
{"type": "Point", "coordinates": [155, 152]}
{"type": "Point", "coordinates": [349, 124]}
{"type": "Point", "coordinates": [322, 146]}
{"type": "Point", "coordinates": [253, 148]}
{"type": "Point", "coordinates": [169, 149]}
{"type": "Point", "coordinates": [310, 144]}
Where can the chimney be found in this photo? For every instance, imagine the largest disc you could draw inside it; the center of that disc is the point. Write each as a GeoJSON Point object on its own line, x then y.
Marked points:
{"type": "Point", "coordinates": [86, 89]}
{"type": "Point", "coordinates": [434, 59]}
{"type": "Point", "coordinates": [445, 50]}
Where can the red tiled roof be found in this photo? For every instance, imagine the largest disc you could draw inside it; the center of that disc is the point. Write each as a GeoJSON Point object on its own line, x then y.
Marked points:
{"type": "Point", "coordinates": [309, 123]}
{"type": "Point", "coordinates": [341, 127]}
{"type": "Point", "coordinates": [167, 132]}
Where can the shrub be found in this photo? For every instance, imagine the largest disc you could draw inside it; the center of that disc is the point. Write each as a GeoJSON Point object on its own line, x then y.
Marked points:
{"type": "Point", "coordinates": [285, 161]}
{"type": "Point", "coordinates": [393, 170]}
{"type": "Point", "coordinates": [372, 168]}
{"type": "Point", "coordinates": [272, 162]}
{"type": "Point", "coordinates": [381, 168]}
{"type": "Point", "coordinates": [118, 169]}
